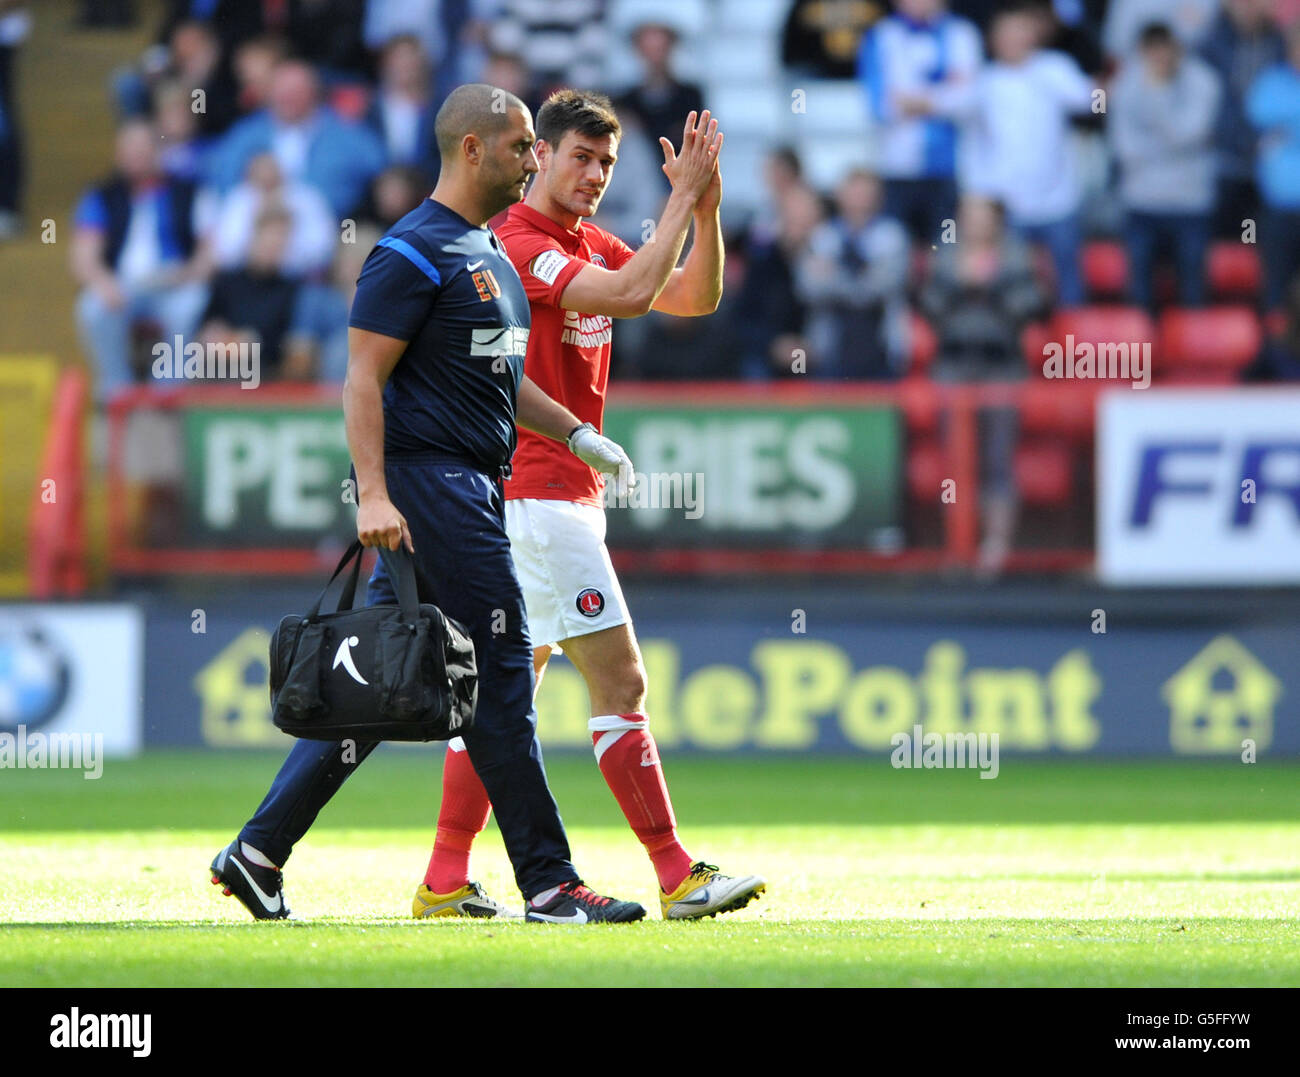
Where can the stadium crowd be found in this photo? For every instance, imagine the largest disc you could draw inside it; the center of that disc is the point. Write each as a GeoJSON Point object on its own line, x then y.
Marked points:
{"type": "Point", "coordinates": [1026, 158]}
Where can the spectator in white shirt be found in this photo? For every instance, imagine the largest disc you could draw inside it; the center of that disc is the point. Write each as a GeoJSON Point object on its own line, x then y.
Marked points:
{"type": "Point", "coordinates": [1016, 144]}
{"type": "Point", "coordinates": [313, 229]}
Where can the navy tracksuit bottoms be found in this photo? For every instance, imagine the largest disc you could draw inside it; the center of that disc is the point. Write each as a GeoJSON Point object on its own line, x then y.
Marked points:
{"type": "Point", "coordinates": [456, 514]}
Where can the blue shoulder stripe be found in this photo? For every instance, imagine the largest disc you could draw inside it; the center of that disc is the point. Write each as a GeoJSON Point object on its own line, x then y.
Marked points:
{"type": "Point", "coordinates": [413, 256]}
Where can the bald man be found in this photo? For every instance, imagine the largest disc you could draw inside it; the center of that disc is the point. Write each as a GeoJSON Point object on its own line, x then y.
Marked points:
{"type": "Point", "coordinates": [435, 385]}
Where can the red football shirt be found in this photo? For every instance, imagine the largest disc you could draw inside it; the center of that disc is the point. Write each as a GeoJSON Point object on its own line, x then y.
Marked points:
{"type": "Point", "coordinates": [568, 351]}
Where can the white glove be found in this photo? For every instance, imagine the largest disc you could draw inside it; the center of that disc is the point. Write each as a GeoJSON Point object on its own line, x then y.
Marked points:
{"type": "Point", "coordinates": [595, 450]}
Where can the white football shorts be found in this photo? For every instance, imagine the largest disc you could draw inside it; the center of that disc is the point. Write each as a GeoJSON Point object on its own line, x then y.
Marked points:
{"type": "Point", "coordinates": [564, 569]}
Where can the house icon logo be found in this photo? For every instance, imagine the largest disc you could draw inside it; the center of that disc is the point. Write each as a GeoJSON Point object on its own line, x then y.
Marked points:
{"type": "Point", "coordinates": [1223, 696]}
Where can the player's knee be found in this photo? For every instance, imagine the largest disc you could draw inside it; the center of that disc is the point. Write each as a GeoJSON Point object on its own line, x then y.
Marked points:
{"type": "Point", "coordinates": [629, 688]}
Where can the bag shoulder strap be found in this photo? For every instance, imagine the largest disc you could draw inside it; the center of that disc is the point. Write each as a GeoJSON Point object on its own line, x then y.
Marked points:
{"type": "Point", "coordinates": [349, 592]}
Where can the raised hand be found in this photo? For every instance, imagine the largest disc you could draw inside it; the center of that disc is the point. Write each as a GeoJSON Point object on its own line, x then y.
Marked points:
{"type": "Point", "coordinates": [691, 171]}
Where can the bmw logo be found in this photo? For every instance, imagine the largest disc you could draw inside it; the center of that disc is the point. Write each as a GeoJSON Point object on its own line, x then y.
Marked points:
{"type": "Point", "coordinates": [35, 677]}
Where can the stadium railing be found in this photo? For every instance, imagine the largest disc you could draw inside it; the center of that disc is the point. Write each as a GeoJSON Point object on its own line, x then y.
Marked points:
{"type": "Point", "coordinates": [927, 489]}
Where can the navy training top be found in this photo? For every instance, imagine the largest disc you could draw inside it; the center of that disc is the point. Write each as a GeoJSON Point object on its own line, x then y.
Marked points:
{"type": "Point", "coordinates": [448, 288]}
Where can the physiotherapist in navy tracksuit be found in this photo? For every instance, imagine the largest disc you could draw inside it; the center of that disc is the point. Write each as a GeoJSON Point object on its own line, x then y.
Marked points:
{"type": "Point", "coordinates": [438, 333]}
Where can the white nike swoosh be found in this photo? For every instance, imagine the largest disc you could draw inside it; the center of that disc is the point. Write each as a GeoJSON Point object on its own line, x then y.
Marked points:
{"type": "Point", "coordinates": [269, 903]}
{"type": "Point", "coordinates": [575, 917]}
{"type": "Point", "coordinates": [471, 266]}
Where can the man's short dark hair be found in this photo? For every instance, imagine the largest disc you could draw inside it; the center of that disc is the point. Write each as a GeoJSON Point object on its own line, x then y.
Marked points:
{"type": "Point", "coordinates": [585, 111]}
{"type": "Point", "coordinates": [475, 108]}
{"type": "Point", "coordinates": [1155, 34]}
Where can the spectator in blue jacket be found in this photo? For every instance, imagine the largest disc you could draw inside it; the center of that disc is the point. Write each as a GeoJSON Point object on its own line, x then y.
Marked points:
{"type": "Point", "coordinates": [918, 68]}
{"type": "Point", "coordinates": [403, 108]}
{"type": "Point", "coordinates": [310, 143]}
{"type": "Point", "coordinates": [1273, 107]}
{"type": "Point", "coordinates": [136, 256]}
{"type": "Point", "coordinates": [1243, 42]}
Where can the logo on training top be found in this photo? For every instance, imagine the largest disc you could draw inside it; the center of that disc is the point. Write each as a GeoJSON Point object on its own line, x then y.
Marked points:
{"type": "Point", "coordinates": [547, 265]}
{"type": "Point", "coordinates": [499, 340]}
{"type": "Point", "coordinates": [343, 657]}
{"type": "Point", "coordinates": [591, 603]}
{"type": "Point", "coordinates": [599, 260]}
{"type": "Point", "coordinates": [485, 283]}
{"type": "Point", "coordinates": [586, 330]}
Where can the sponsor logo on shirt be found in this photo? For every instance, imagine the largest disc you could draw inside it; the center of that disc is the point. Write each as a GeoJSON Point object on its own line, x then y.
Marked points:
{"type": "Point", "coordinates": [547, 265]}
{"type": "Point", "coordinates": [586, 330]}
{"type": "Point", "coordinates": [499, 340]}
{"type": "Point", "coordinates": [486, 284]}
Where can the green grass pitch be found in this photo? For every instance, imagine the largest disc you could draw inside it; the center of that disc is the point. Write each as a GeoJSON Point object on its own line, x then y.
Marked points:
{"type": "Point", "coordinates": [1055, 873]}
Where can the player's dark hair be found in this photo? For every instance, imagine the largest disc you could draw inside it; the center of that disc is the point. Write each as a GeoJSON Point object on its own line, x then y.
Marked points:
{"type": "Point", "coordinates": [585, 111]}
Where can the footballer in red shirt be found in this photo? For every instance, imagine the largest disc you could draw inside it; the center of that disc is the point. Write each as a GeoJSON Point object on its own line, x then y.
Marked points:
{"type": "Point", "coordinates": [578, 278]}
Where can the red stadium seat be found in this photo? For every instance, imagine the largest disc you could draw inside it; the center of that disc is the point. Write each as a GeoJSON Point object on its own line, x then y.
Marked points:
{"type": "Point", "coordinates": [1062, 408]}
{"type": "Point", "coordinates": [1214, 344]}
{"type": "Point", "coordinates": [1044, 473]}
{"type": "Point", "coordinates": [924, 344]}
{"type": "Point", "coordinates": [925, 470]}
{"type": "Point", "coordinates": [1234, 270]}
{"type": "Point", "coordinates": [1103, 324]}
{"type": "Point", "coordinates": [1095, 325]}
{"type": "Point", "coordinates": [920, 403]}
{"type": "Point", "coordinates": [1105, 269]}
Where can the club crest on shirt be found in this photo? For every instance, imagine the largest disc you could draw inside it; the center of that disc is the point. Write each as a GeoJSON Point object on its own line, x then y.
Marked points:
{"type": "Point", "coordinates": [591, 603]}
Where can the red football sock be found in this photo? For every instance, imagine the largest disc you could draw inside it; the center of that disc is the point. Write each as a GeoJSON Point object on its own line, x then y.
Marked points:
{"type": "Point", "coordinates": [464, 814]}
{"type": "Point", "coordinates": [629, 760]}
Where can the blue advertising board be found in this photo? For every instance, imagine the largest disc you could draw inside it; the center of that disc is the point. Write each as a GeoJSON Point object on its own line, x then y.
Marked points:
{"type": "Point", "coordinates": [751, 672]}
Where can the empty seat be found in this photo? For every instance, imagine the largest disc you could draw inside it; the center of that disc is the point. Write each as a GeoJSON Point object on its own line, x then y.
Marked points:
{"type": "Point", "coordinates": [919, 400]}
{"type": "Point", "coordinates": [923, 344]}
{"type": "Point", "coordinates": [833, 107]}
{"type": "Point", "coordinates": [1044, 473]}
{"type": "Point", "coordinates": [1062, 408]}
{"type": "Point", "coordinates": [1105, 269]}
{"type": "Point", "coordinates": [925, 471]}
{"type": "Point", "coordinates": [1212, 344]}
{"type": "Point", "coordinates": [1234, 270]}
{"type": "Point", "coordinates": [758, 110]}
